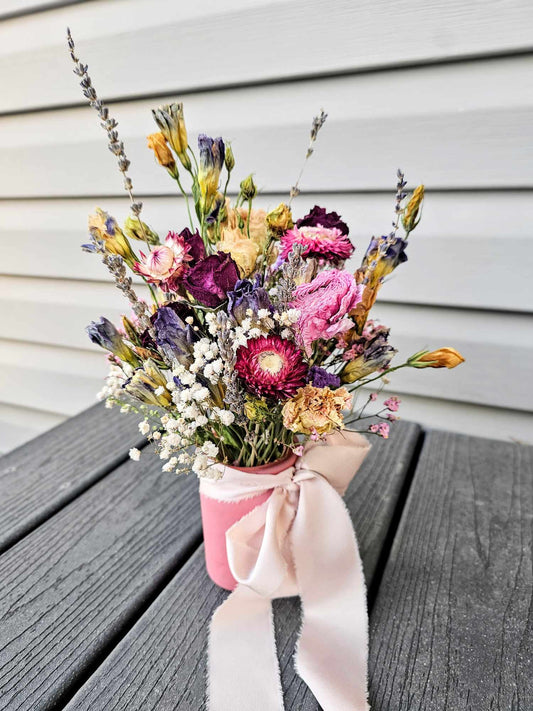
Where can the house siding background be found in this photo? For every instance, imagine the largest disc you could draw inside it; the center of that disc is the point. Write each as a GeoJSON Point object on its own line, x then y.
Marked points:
{"type": "Point", "coordinates": [442, 89]}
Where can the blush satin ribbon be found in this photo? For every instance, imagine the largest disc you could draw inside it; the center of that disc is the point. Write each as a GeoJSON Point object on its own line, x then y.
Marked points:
{"type": "Point", "coordinates": [299, 542]}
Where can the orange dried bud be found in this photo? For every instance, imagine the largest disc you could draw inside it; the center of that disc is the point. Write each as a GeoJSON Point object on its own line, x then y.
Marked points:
{"type": "Point", "coordinates": [157, 142]}
{"type": "Point", "coordinates": [441, 358]}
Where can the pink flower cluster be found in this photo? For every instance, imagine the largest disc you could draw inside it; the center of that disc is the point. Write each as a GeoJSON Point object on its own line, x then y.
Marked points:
{"type": "Point", "coordinates": [382, 429]}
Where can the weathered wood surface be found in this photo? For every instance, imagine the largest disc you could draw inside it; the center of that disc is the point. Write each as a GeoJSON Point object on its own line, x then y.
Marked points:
{"type": "Point", "coordinates": [37, 479]}
{"type": "Point", "coordinates": [160, 664]}
{"type": "Point", "coordinates": [73, 587]}
{"type": "Point", "coordinates": [452, 628]}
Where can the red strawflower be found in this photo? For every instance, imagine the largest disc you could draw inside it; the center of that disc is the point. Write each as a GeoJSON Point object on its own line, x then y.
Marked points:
{"type": "Point", "coordinates": [271, 367]}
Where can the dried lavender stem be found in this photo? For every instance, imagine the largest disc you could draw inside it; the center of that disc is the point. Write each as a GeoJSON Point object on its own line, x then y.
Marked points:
{"type": "Point", "coordinates": [109, 124]}
{"type": "Point", "coordinates": [318, 122]}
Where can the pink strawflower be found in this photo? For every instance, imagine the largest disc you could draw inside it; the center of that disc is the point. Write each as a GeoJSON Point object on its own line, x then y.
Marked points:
{"type": "Point", "coordinates": [166, 263]}
{"type": "Point", "coordinates": [374, 428]}
{"type": "Point", "coordinates": [323, 243]}
{"type": "Point", "coordinates": [271, 366]}
{"type": "Point", "coordinates": [393, 404]}
{"type": "Point", "coordinates": [324, 305]}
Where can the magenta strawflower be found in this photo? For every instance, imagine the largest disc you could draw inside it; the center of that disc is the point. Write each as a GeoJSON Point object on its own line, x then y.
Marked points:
{"type": "Point", "coordinates": [327, 244]}
{"type": "Point", "coordinates": [271, 366]}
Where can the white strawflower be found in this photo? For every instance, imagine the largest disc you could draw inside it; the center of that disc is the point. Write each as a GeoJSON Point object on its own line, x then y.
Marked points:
{"type": "Point", "coordinates": [135, 454]}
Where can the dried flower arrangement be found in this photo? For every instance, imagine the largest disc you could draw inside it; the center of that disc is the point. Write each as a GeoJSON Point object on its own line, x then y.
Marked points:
{"type": "Point", "coordinates": [257, 339]}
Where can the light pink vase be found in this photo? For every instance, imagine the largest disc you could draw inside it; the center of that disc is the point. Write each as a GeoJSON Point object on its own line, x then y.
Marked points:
{"type": "Point", "coordinates": [218, 516]}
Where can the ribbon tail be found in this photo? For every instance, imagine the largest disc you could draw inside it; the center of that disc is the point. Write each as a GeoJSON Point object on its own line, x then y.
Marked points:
{"type": "Point", "coordinates": [242, 660]}
{"type": "Point", "coordinates": [332, 650]}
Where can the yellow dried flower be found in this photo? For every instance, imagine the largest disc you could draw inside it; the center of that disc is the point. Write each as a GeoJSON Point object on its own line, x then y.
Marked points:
{"type": "Point", "coordinates": [256, 410]}
{"type": "Point", "coordinates": [411, 214]}
{"type": "Point", "coordinates": [163, 154]}
{"type": "Point", "coordinates": [316, 410]}
{"type": "Point", "coordinates": [244, 251]}
{"type": "Point", "coordinates": [280, 219]}
{"type": "Point", "coordinates": [441, 358]}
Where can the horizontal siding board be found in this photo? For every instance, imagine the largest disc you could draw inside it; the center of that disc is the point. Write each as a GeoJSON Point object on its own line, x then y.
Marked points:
{"type": "Point", "coordinates": [257, 45]}
{"type": "Point", "coordinates": [463, 254]}
{"type": "Point", "coordinates": [442, 124]}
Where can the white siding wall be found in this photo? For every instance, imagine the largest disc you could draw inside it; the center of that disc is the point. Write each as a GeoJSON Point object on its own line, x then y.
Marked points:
{"type": "Point", "coordinates": [442, 89]}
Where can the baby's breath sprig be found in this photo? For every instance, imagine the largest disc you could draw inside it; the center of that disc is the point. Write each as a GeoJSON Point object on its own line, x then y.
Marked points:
{"type": "Point", "coordinates": [109, 124]}
{"type": "Point", "coordinates": [318, 122]}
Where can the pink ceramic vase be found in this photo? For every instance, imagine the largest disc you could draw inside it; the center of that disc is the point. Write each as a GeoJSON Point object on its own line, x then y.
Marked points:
{"type": "Point", "coordinates": [219, 516]}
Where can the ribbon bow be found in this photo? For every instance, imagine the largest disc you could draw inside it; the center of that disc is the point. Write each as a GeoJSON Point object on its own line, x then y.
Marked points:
{"type": "Point", "coordinates": [298, 542]}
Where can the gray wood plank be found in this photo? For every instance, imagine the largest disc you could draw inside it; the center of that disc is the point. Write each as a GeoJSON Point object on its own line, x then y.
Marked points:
{"type": "Point", "coordinates": [160, 664]}
{"type": "Point", "coordinates": [452, 625]}
{"type": "Point", "coordinates": [73, 587]}
{"type": "Point", "coordinates": [43, 475]}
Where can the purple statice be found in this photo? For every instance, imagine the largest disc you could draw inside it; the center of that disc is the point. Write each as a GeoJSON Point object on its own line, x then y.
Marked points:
{"type": "Point", "coordinates": [247, 295]}
{"type": "Point", "coordinates": [173, 335]}
{"type": "Point", "coordinates": [320, 378]}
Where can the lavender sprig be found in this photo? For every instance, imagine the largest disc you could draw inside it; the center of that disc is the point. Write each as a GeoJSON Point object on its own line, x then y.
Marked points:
{"type": "Point", "coordinates": [318, 122]}
{"type": "Point", "coordinates": [400, 196]}
{"type": "Point", "coordinates": [289, 273]}
{"type": "Point", "coordinates": [109, 124]}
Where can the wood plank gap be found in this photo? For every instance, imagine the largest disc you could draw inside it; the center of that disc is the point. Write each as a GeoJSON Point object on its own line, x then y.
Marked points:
{"type": "Point", "coordinates": [390, 535]}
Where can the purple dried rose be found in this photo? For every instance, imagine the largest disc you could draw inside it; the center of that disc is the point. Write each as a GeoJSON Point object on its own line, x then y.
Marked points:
{"type": "Point", "coordinates": [320, 378]}
{"type": "Point", "coordinates": [195, 244]}
{"type": "Point", "coordinates": [319, 217]}
{"type": "Point", "coordinates": [210, 280]}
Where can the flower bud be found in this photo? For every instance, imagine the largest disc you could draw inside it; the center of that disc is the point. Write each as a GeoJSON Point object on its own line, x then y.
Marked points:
{"type": "Point", "coordinates": [248, 188]}
{"type": "Point", "coordinates": [135, 229]}
{"type": "Point", "coordinates": [411, 214]}
{"type": "Point", "coordinates": [229, 158]}
{"type": "Point", "coordinates": [104, 228]}
{"type": "Point", "coordinates": [441, 358]}
{"type": "Point", "coordinates": [163, 155]}
{"type": "Point", "coordinates": [280, 220]}
{"type": "Point", "coordinates": [105, 335]}
{"type": "Point", "coordinates": [170, 121]}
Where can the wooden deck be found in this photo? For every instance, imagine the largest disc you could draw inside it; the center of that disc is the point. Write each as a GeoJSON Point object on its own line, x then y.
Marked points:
{"type": "Point", "coordinates": [105, 602]}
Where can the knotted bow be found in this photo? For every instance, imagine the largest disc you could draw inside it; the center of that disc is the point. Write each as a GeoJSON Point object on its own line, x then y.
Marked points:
{"type": "Point", "coordinates": [298, 542]}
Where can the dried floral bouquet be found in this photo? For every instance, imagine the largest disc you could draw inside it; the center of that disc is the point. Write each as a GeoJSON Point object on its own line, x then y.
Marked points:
{"type": "Point", "coordinates": [257, 339]}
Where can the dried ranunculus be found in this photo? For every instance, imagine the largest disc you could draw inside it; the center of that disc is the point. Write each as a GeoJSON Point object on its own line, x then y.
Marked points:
{"type": "Point", "coordinates": [316, 410]}
{"type": "Point", "coordinates": [324, 305]}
